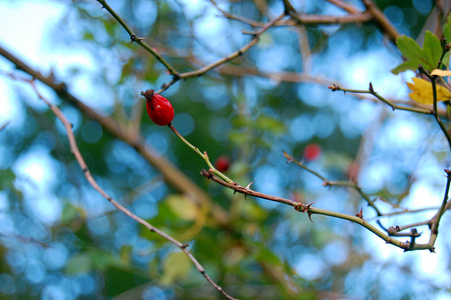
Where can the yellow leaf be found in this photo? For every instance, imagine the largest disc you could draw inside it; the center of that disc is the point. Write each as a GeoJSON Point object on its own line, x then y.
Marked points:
{"type": "Point", "coordinates": [441, 73]}
{"type": "Point", "coordinates": [183, 207]}
{"type": "Point", "coordinates": [175, 267]}
{"type": "Point", "coordinates": [422, 91]}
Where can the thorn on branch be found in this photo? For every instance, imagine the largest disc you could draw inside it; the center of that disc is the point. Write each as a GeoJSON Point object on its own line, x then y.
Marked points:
{"type": "Point", "coordinates": [334, 87]}
{"type": "Point", "coordinates": [184, 246]}
{"type": "Point", "coordinates": [360, 214]}
{"type": "Point", "coordinates": [309, 213]}
{"type": "Point", "coordinates": [134, 38]}
{"type": "Point", "coordinates": [207, 174]}
{"type": "Point", "coordinates": [305, 208]}
{"type": "Point", "coordinates": [371, 89]}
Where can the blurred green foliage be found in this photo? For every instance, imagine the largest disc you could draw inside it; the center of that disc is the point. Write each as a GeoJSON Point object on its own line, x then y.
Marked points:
{"type": "Point", "coordinates": [263, 250]}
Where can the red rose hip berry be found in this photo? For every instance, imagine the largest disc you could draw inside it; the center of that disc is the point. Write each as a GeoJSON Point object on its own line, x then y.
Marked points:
{"type": "Point", "coordinates": [222, 164]}
{"type": "Point", "coordinates": [159, 109]}
{"type": "Point", "coordinates": [312, 152]}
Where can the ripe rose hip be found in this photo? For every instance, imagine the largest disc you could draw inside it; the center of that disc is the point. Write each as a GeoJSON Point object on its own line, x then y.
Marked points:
{"type": "Point", "coordinates": [222, 163]}
{"type": "Point", "coordinates": [312, 152]}
{"type": "Point", "coordinates": [159, 109]}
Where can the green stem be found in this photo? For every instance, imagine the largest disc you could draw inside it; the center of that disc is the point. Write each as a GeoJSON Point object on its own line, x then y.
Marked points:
{"type": "Point", "coordinates": [203, 155]}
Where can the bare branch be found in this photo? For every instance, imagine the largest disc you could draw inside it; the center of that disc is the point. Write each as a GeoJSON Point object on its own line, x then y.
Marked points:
{"type": "Point", "coordinates": [313, 210]}
{"type": "Point", "coordinates": [75, 151]}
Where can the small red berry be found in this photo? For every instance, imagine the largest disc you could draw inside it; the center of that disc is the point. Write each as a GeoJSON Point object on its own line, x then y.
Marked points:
{"type": "Point", "coordinates": [312, 152]}
{"type": "Point", "coordinates": [159, 109]}
{"type": "Point", "coordinates": [222, 163]}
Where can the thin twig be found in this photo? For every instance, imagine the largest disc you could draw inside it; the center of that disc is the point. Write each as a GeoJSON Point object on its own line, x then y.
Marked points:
{"type": "Point", "coordinates": [384, 23]}
{"type": "Point", "coordinates": [435, 221]}
{"type": "Point", "coordinates": [313, 210]}
{"type": "Point", "coordinates": [235, 54]}
{"type": "Point", "coordinates": [203, 155]}
{"type": "Point", "coordinates": [138, 40]}
{"type": "Point", "coordinates": [172, 175]}
{"type": "Point", "coordinates": [327, 182]}
{"type": "Point", "coordinates": [345, 5]}
{"type": "Point", "coordinates": [75, 151]}
{"type": "Point", "coordinates": [371, 91]}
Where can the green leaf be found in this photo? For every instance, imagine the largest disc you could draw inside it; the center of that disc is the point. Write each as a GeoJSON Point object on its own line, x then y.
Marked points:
{"type": "Point", "coordinates": [447, 35]}
{"type": "Point", "coordinates": [432, 50]}
{"type": "Point", "coordinates": [408, 65]}
{"type": "Point", "coordinates": [445, 60]}
{"type": "Point", "coordinates": [447, 29]}
{"type": "Point", "coordinates": [428, 57]}
{"type": "Point", "coordinates": [7, 179]}
{"type": "Point", "coordinates": [409, 48]}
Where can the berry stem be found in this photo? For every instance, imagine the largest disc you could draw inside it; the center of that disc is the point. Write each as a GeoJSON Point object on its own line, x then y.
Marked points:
{"type": "Point", "coordinates": [205, 157]}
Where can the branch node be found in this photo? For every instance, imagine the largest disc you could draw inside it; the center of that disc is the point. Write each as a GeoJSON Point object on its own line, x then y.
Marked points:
{"type": "Point", "coordinates": [134, 38]}
{"type": "Point", "coordinates": [334, 87]}
{"type": "Point", "coordinates": [360, 214]}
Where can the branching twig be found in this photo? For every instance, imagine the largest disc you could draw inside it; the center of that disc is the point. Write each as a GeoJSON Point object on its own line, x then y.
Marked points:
{"type": "Point", "coordinates": [171, 174]}
{"type": "Point", "coordinates": [244, 49]}
{"type": "Point", "coordinates": [203, 155]}
{"type": "Point", "coordinates": [327, 182]}
{"type": "Point", "coordinates": [138, 40]}
{"type": "Point", "coordinates": [313, 210]}
{"type": "Point", "coordinates": [371, 91]}
{"type": "Point", "coordinates": [75, 151]}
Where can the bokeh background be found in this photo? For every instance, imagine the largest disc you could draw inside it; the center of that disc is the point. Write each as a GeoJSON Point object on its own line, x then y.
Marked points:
{"type": "Point", "coordinates": [59, 239]}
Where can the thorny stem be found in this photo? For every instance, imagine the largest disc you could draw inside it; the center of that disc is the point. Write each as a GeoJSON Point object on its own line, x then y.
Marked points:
{"type": "Point", "coordinates": [388, 102]}
{"type": "Point", "coordinates": [203, 155]}
{"type": "Point", "coordinates": [312, 210]}
{"type": "Point", "coordinates": [76, 152]}
{"type": "Point", "coordinates": [327, 182]}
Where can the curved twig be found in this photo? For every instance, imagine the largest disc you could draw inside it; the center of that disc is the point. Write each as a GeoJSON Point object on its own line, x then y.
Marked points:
{"type": "Point", "coordinates": [75, 151]}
